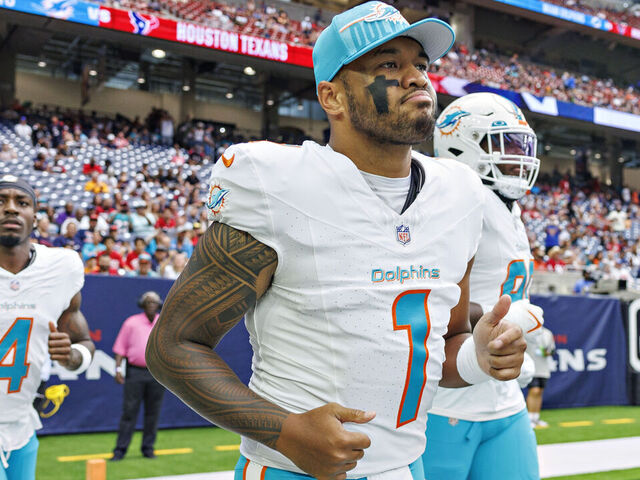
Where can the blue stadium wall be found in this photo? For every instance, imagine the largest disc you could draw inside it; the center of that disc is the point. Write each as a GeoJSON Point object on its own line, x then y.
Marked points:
{"type": "Point", "coordinates": [590, 363]}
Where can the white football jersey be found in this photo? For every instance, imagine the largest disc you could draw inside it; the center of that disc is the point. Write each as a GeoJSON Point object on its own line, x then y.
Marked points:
{"type": "Point", "coordinates": [503, 265]}
{"type": "Point", "coordinates": [362, 295]}
{"type": "Point", "coordinates": [29, 300]}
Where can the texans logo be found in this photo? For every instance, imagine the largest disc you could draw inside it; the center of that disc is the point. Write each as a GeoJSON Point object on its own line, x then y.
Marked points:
{"type": "Point", "coordinates": [142, 25]}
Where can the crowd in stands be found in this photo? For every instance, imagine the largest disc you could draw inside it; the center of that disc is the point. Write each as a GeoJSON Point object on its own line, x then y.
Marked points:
{"type": "Point", "coordinates": [629, 15]}
{"type": "Point", "coordinates": [576, 224]}
{"type": "Point", "coordinates": [141, 237]}
{"type": "Point", "coordinates": [56, 133]}
{"type": "Point", "coordinates": [128, 228]}
{"type": "Point", "coordinates": [514, 73]}
{"type": "Point", "coordinates": [485, 65]}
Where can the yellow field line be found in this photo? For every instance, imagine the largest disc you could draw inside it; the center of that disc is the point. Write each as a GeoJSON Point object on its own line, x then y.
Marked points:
{"type": "Point", "coordinates": [618, 421]}
{"type": "Point", "coordinates": [173, 451]}
{"type": "Point", "coordinates": [581, 423]}
{"type": "Point", "coordinates": [226, 448]}
{"type": "Point", "coordinates": [80, 458]}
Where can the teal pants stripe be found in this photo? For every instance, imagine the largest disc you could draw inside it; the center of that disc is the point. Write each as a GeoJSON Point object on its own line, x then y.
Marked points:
{"type": "Point", "coordinates": [22, 462]}
{"type": "Point", "coordinates": [495, 449]}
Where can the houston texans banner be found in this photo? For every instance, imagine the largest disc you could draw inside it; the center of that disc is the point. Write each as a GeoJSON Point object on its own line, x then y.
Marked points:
{"type": "Point", "coordinates": [233, 42]}
{"type": "Point", "coordinates": [590, 364]}
{"type": "Point", "coordinates": [203, 36]}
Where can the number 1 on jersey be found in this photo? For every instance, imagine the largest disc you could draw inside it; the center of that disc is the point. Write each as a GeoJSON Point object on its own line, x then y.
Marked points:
{"type": "Point", "coordinates": [410, 313]}
{"type": "Point", "coordinates": [14, 348]}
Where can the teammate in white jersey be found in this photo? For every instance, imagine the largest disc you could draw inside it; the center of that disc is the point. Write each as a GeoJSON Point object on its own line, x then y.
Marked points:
{"type": "Point", "coordinates": [39, 314]}
{"type": "Point", "coordinates": [351, 263]}
{"type": "Point", "coordinates": [483, 431]}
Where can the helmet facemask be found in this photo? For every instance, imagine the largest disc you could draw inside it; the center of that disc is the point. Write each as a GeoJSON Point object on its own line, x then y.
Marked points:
{"type": "Point", "coordinates": [508, 163]}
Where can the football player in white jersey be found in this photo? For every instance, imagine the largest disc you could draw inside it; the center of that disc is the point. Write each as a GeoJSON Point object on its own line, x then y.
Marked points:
{"type": "Point", "coordinates": [350, 262]}
{"type": "Point", "coordinates": [39, 315]}
{"type": "Point", "coordinates": [483, 431]}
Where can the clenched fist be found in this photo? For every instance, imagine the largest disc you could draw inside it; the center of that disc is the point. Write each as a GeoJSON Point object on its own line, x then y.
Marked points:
{"type": "Point", "coordinates": [317, 442]}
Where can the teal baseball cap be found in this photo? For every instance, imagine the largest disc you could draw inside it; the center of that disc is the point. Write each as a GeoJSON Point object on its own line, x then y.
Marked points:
{"type": "Point", "coordinates": [360, 29]}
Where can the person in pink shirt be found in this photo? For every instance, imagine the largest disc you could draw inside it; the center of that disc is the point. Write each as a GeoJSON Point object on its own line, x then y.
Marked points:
{"type": "Point", "coordinates": [139, 384]}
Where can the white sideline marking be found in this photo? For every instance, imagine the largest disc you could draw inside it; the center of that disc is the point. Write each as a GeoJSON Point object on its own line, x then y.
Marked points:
{"type": "Point", "coordinates": [559, 459]}
{"type": "Point", "coordinates": [556, 459]}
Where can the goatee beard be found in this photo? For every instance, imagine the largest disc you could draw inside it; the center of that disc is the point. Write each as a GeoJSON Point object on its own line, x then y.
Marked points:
{"type": "Point", "coordinates": [391, 129]}
{"type": "Point", "coordinates": [9, 241]}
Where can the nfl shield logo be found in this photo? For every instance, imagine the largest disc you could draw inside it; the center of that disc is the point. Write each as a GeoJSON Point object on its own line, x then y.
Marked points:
{"type": "Point", "coordinates": [403, 235]}
{"type": "Point", "coordinates": [14, 285]}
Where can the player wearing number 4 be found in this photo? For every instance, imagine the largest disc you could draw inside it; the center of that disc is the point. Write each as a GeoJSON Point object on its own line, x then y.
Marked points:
{"type": "Point", "coordinates": [467, 426]}
{"type": "Point", "coordinates": [350, 262]}
{"type": "Point", "coordinates": [39, 313]}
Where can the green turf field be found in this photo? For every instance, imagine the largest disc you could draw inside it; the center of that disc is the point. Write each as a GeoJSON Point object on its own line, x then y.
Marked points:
{"type": "Point", "coordinates": [195, 449]}
{"type": "Point", "coordinates": [601, 428]}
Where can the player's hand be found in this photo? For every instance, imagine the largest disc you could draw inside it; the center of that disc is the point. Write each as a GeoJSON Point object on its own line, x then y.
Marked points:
{"type": "Point", "coordinates": [317, 442]}
{"type": "Point", "coordinates": [500, 345]}
{"type": "Point", "coordinates": [119, 378]}
{"type": "Point", "coordinates": [59, 346]}
{"type": "Point", "coordinates": [527, 316]}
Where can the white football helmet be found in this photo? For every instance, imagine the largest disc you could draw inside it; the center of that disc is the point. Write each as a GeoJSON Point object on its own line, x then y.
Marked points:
{"type": "Point", "coordinates": [490, 134]}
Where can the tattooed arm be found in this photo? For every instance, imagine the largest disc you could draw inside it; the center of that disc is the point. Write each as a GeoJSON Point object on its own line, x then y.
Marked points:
{"type": "Point", "coordinates": [227, 273]}
{"type": "Point", "coordinates": [72, 328]}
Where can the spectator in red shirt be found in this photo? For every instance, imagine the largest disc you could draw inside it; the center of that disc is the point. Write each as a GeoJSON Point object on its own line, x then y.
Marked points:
{"type": "Point", "coordinates": [92, 166]}
{"type": "Point", "coordinates": [106, 206]}
{"type": "Point", "coordinates": [116, 260]}
{"type": "Point", "coordinates": [139, 384]}
{"type": "Point", "coordinates": [166, 221]}
{"type": "Point", "coordinates": [555, 263]}
{"type": "Point", "coordinates": [104, 266]}
{"type": "Point", "coordinates": [139, 246]}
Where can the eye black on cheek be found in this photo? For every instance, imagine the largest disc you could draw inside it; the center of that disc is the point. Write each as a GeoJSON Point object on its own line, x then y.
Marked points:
{"type": "Point", "coordinates": [378, 91]}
